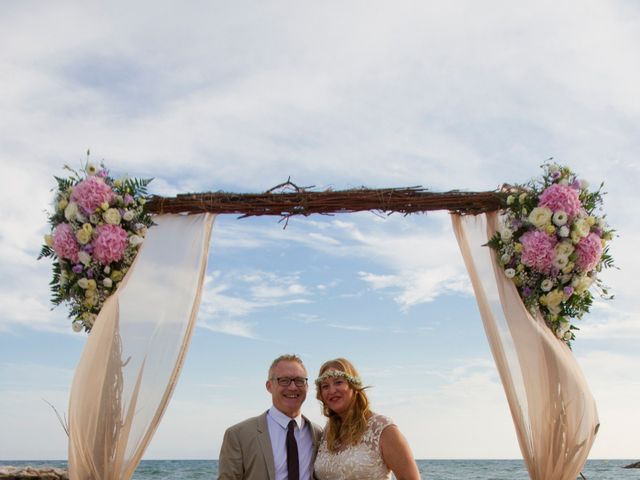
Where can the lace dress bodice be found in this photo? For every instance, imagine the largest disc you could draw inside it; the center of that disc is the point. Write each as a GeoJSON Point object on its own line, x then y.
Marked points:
{"type": "Point", "coordinates": [362, 461]}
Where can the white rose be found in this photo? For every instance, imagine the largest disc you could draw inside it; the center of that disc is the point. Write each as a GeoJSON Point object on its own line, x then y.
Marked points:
{"type": "Point", "coordinates": [128, 216]}
{"type": "Point", "coordinates": [560, 218]}
{"type": "Point", "coordinates": [107, 270]}
{"type": "Point", "coordinates": [564, 248]}
{"type": "Point", "coordinates": [71, 212]}
{"type": "Point", "coordinates": [581, 284]}
{"type": "Point", "coordinates": [107, 282]}
{"type": "Point", "coordinates": [135, 240]}
{"type": "Point", "coordinates": [505, 258]}
{"type": "Point", "coordinates": [112, 216]}
{"type": "Point", "coordinates": [83, 283]}
{"type": "Point", "coordinates": [506, 234]}
{"type": "Point", "coordinates": [581, 227]}
{"type": "Point", "coordinates": [141, 229]}
{"type": "Point", "coordinates": [560, 261]}
{"type": "Point", "coordinates": [564, 231]}
{"type": "Point", "coordinates": [84, 257]}
{"type": "Point", "coordinates": [510, 273]}
{"type": "Point", "coordinates": [540, 216]}
{"type": "Point", "coordinates": [563, 328]}
{"type": "Point", "coordinates": [93, 218]}
{"type": "Point", "coordinates": [546, 285]}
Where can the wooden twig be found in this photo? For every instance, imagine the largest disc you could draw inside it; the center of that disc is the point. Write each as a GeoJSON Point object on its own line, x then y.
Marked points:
{"type": "Point", "coordinates": [301, 201]}
{"type": "Point", "coordinates": [63, 423]}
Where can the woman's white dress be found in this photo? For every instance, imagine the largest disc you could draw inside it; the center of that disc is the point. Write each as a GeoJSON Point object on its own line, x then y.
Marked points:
{"type": "Point", "coordinates": [362, 461]}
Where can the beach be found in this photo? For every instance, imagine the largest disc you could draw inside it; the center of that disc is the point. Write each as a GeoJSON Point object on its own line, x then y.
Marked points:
{"type": "Point", "coordinates": [429, 469]}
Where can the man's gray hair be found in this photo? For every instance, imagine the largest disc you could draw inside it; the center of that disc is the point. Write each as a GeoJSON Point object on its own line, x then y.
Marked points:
{"type": "Point", "coordinates": [285, 358]}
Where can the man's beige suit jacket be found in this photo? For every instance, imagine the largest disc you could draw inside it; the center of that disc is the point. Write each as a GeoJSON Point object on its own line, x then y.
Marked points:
{"type": "Point", "coordinates": [246, 452]}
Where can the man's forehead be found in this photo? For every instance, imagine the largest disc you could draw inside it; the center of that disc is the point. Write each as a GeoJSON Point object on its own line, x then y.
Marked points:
{"type": "Point", "coordinates": [290, 365]}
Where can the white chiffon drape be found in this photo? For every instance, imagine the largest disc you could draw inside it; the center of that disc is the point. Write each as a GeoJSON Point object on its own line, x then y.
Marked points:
{"type": "Point", "coordinates": [553, 410]}
{"type": "Point", "coordinates": [133, 356]}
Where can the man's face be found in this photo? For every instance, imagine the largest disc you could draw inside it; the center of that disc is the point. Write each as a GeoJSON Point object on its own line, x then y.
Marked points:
{"type": "Point", "coordinates": [288, 399]}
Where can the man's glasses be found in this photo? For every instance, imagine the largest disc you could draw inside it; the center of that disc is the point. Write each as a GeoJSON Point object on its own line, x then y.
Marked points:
{"type": "Point", "coordinates": [286, 381]}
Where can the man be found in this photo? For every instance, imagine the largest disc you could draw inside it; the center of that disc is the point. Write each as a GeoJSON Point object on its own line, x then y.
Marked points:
{"type": "Point", "coordinates": [280, 444]}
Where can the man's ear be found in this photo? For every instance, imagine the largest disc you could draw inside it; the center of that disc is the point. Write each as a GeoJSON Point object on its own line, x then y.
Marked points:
{"type": "Point", "coordinates": [268, 385]}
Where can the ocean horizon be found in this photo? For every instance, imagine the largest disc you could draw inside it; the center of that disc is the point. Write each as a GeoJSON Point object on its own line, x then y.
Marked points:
{"type": "Point", "coordinates": [469, 469]}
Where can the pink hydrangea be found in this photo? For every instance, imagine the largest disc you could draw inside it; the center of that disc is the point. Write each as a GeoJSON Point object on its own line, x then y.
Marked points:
{"type": "Point", "coordinates": [89, 194]}
{"type": "Point", "coordinates": [589, 251]}
{"type": "Point", "coordinates": [561, 197]}
{"type": "Point", "coordinates": [64, 242]}
{"type": "Point", "coordinates": [538, 250]}
{"type": "Point", "coordinates": [110, 244]}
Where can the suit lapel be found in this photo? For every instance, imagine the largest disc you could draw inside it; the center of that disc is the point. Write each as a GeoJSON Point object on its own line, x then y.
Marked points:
{"type": "Point", "coordinates": [265, 445]}
{"type": "Point", "coordinates": [316, 432]}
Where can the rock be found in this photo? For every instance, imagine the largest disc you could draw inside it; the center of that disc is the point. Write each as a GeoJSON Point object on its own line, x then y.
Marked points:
{"type": "Point", "coordinates": [633, 465]}
{"type": "Point", "coordinates": [33, 473]}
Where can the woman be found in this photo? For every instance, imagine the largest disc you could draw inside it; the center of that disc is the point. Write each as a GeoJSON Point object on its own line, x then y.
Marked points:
{"type": "Point", "coordinates": [357, 444]}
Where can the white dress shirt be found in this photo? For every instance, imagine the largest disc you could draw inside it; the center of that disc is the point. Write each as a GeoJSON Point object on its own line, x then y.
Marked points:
{"type": "Point", "coordinates": [278, 422]}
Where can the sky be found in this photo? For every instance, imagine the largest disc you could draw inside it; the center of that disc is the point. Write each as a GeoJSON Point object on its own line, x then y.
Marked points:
{"type": "Point", "coordinates": [239, 96]}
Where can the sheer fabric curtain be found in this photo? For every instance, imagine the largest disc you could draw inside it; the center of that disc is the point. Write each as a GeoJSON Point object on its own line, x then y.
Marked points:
{"type": "Point", "coordinates": [133, 356]}
{"type": "Point", "coordinates": [553, 410]}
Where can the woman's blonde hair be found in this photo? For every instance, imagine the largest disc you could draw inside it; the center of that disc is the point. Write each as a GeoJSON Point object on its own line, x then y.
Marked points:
{"type": "Point", "coordinates": [348, 431]}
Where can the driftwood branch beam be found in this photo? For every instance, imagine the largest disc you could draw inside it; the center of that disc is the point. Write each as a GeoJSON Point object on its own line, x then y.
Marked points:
{"type": "Point", "coordinates": [301, 201]}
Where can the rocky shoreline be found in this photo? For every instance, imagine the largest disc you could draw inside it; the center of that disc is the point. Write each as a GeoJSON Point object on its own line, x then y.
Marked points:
{"type": "Point", "coordinates": [33, 473]}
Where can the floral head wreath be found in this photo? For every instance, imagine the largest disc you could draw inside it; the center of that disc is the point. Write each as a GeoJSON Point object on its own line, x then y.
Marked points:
{"type": "Point", "coordinates": [354, 381]}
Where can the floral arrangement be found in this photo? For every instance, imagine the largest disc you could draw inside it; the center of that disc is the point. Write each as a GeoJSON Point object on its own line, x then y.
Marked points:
{"type": "Point", "coordinates": [97, 226]}
{"type": "Point", "coordinates": [553, 242]}
{"type": "Point", "coordinates": [355, 381]}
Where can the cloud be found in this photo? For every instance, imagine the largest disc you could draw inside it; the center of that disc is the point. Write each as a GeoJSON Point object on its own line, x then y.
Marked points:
{"type": "Point", "coordinates": [354, 328]}
{"type": "Point", "coordinates": [619, 326]}
{"type": "Point", "coordinates": [361, 97]}
{"type": "Point", "coordinates": [237, 328]}
{"type": "Point", "coordinates": [227, 312]}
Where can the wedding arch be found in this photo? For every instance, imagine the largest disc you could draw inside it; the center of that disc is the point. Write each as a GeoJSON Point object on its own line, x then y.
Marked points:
{"type": "Point", "coordinates": [134, 354]}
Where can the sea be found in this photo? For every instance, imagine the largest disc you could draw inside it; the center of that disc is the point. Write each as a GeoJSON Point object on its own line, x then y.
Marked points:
{"type": "Point", "coordinates": [429, 469]}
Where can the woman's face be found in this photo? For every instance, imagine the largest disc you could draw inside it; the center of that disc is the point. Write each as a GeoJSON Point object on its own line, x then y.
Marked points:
{"type": "Point", "coordinates": [337, 394]}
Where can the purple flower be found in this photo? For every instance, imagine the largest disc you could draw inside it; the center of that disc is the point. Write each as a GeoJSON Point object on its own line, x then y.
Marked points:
{"type": "Point", "coordinates": [561, 197]}
{"type": "Point", "coordinates": [91, 193]}
{"type": "Point", "coordinates": [555, 175]}
{"type": "Point", "coordinates": [576, 184]}
{"type": "Point", "coordinates": [526, 291]}
{"type": "Point", "coordinates": [568, 290]}
{"type": "Point", "coordinates": [110, 244]}
{"type": "Point", "coordinates": [538, 250]}
{"type": "Point", "coordinates": [64, 242]}
{"type": "Point", "coordinates": [128, 199]}
{"type": "Point", "coordinates": [88, 248]}
{"type": "Point", "coordinates": [589, 251]}
{"type": "Point", "coordinates": [77, 269]}
{"type": "Point", "coordinates": [89, 273]}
